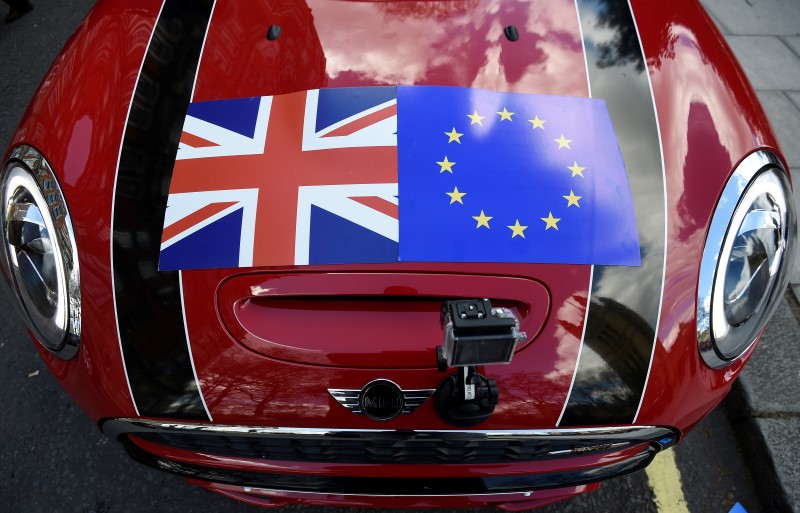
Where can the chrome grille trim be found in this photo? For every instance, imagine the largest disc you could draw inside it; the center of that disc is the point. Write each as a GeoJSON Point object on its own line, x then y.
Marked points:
{"type": "Point", "coordinates": [273, 492]}
{"type": "Point", "coordinates": [117, 427]}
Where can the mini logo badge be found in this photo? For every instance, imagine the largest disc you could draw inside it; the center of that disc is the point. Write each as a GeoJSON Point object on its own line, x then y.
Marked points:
{"type": "Point", "coordinates": [381, 400]}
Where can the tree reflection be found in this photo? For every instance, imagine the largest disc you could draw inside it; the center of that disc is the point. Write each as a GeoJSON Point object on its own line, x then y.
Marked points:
{"type": "Point", "coordinates": [666, 44]}
{"type": "Point", "coordinates": [428, 10]}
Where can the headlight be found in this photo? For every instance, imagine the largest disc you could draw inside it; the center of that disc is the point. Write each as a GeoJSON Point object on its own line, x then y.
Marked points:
{"type": "Point", "coordinates": [39, 251]}
{"type": "Point", "coordinates": [747, 258]}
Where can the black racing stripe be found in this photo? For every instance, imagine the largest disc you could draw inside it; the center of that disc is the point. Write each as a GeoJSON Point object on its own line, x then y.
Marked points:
{"type": "Point", "coordinates": [148, 302]}
{"type": "Point", "coordinates": [624, 307]}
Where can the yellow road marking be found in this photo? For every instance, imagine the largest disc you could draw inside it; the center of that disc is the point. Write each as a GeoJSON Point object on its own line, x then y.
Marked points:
{"type": "Point", "coordinates": [665, 481]}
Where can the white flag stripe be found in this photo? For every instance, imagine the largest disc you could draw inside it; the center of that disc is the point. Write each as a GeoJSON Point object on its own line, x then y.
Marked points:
{"type": "Point", "coordinates": [383, 133]}
{"type": "Point", "coordinates": [229, 142]}
{"type": "Point", "coordinates": [181, 205]}
{"type": "Point", "coordinates": [336, 199]}
{"type": "Point", "coordinates": [199, 226]}
{"type": "Point", "coordinates": [354, 117]}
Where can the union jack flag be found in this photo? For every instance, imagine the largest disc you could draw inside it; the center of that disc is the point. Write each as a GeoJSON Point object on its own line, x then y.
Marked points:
{"type": "Point", "coordinates": [301, 178]}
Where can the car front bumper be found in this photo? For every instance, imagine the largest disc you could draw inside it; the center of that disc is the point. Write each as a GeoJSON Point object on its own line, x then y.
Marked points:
{"type": "Point", "coordinates": [267, 466]}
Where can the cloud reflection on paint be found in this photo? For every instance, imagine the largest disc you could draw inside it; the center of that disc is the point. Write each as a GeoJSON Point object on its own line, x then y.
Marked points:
{"type": "Point", "coordinates": [453, 43]}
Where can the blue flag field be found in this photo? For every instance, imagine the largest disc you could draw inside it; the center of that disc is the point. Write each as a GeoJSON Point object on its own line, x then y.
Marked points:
{"type": "Point", "coordinates": [502, 177]}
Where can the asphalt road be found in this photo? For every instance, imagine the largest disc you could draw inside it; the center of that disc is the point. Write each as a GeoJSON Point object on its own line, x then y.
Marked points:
{"type": "Point", "coordinates": [52, 459]}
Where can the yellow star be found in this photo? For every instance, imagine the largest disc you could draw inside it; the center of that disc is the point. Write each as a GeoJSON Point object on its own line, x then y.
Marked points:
{"type": "Point", "coordinates": [537, 123]}
{"type": "Point", "coordinates": [505, 115]}
{"type": "Point", "coordinates": [456, 196]}
{"type": "Point", "coordinates": [576, 169]}
{"type": "Point", "coordinates": [446, 165]}
{"type": "Point", "coordinates": [572, 199]}
{"type": "Point", "coordinates": [476, 118]}
{"type": "Point", "coordinates": [483, 220]}
{"type": "Point", "coordinates": [563, 142]}
{"type": "Point", "coordinates": [518, 229]}
{"type": "Point", "coordinates": [552, 222]}
{"type": "Point", "coordinates": [454, 136]}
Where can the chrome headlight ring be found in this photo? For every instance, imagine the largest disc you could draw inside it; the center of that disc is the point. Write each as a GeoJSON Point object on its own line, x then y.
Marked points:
{"type": "Point", "coordinates": [39, 251]}
{"type": "Point", "coordinates": [747, 259]}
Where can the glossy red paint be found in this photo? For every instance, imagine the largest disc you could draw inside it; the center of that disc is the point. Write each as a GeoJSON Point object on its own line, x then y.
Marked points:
{"type": "Point", "coordinates": [345, 44]}
{"type": "Point", "coordinates": [291, 317]}
{"type": "Point", "coordinates": [278, 392]}
{"type": "Point", "coordinates": [427, 40]}
{"type": "Point", "coordinates": [507, 502]}
{"type": "Point", "coordinates": [76, 121]}
{"type": "Point", "coordinates": [709, 119]}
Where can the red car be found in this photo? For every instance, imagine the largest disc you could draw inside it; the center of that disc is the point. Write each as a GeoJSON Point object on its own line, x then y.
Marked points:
{"type": "Point", "coordinates": [231, 232]}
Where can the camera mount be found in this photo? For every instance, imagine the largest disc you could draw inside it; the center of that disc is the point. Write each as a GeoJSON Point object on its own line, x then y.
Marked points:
{"type": "Point", "coordinates": [475, 334]}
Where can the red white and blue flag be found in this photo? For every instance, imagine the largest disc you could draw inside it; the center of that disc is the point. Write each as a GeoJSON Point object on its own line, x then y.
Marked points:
{"type": "Point", "coordinates": [296, 179]}
{"type": "Point", "coordinates": [314, 177]}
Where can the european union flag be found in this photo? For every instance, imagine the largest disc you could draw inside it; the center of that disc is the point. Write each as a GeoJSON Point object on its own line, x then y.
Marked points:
{"type": "Point", "coordinates": [504, 177]}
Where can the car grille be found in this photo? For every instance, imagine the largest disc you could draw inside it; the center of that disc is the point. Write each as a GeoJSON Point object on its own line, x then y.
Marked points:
{"type": "Point", "coordinates": [409, 449]}
{"type": "Point", "coordinates": [142, 439]}
{"type": "Point", "coordinates": [395, 486]}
